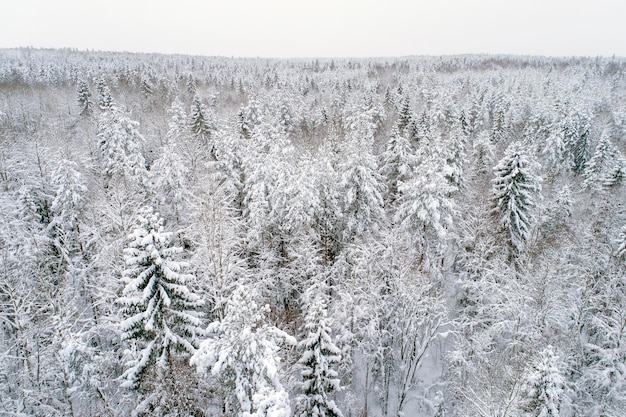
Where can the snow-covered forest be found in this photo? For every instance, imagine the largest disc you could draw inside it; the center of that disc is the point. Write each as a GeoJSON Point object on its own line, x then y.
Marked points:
{"type": "Point", "coordinates": [191, 236]}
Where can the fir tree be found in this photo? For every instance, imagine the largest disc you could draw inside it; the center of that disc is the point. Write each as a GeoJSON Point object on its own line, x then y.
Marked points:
{"type": "Point", "coordinates": [160, 312]}
{"type": "Point", "coordinates": [616, 174]}
{"type": "Point", "coordinates": [84, 98]}
{"type": "Point", "coordinates": [120, 145]}
{"type": "Point", "coordinates": [544, 386]}
{"type": "Point", "coordinates": [361, 185]}
{"type": "Point", "coordinates": [243, 354]}
{"type": "Point", "coordinates": [482, 153]}
{"type": "Point", "coordinates": [597, 167]}
{"type": "Point", "coordinates": [396, 164]}
{"type": "Point", "coordinates": [177, 124]}
{"type": "Point", "coordinates": [405, 118]}
{"type": "Point", "coordinates": [516, 194]}
{"type": "Point", "coordinates": [201, 122]}
{"type": "Point", "coordinates": [426, 209]}
{"type": "Point", "coordinates": [105, 101]}
{"type": "Point", "coordinates": [319, 355]}
{"type": "Point", "coordinates": [68, 203]}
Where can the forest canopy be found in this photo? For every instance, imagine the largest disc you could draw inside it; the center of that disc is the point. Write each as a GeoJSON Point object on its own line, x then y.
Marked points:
{"type": "Point", "coordinates": [423, 236]}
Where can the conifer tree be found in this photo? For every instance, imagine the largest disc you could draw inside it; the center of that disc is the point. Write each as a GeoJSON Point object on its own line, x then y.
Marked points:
{"type": "Point", "coordinates": [607, 166]}
{"type": "Point", "coordinates": [105, 101]}
{"type": "Point", "coordinates": [242, 352]}
{"type": "Point", "coordinates": [482, 153]}
{"type": "Point", "coordinates": [120, 145]}
{"type": "Point", "coordinates": [616, 174]}
{"type": "Point", "coordinates": [426, 209]}
{"type": "Point", "coordinates": [84, 98]}
{"type": "Point", "coordinates": [396, 163]}
{"type": "Point", "coordinates": [516, 194]}
{"type": "Point", "coordinates": [596, 168]}
{"type": "Point", "coordinates": [319, 356]}
{"type": "Point", "coordinates": [177, 124]}
{"type": "Point", "coordinates": [68, 203]}
{"type": "Point", "coordinates": [160, 312]}
{"type": "Point", "coordinates": [544, 386]}
{"type": "Point", "coordinates": [361, 185]}
{"type": "Point", "coordinates": [201, 122]}
{"type": "Point", "coordinates": [404, 117]}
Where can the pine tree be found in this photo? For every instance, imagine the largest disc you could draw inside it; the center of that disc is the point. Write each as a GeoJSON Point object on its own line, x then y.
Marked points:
{"type": "Point", "coordinates": [243, 354]}
{"type": "Point", "coordinates": [84, 98]}
{"type": "Point", "coordinates": [576, 132]}
{"type": "Point", "coordinates": [160, 312]}
{"type": "Point", "coordinates": [319, 355]}
{"type": "Point", "coordinates": [147, 89]}
{"type": "Point", "coordinates": [516, 194]}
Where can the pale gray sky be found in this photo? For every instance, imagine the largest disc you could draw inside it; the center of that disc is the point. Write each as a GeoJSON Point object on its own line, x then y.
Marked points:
{"type": "Point", "coordinates": [320, 28]}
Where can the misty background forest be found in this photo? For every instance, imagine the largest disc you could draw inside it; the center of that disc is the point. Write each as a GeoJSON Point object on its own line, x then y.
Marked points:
{"type": "Point", "coordinates": [423, 236]}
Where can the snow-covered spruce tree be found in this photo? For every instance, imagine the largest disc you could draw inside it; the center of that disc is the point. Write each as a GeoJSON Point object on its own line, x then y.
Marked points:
{"type": "Point", "coordinates": [169, 176]}
{"type": "Point", "coordinates": [396, 164]}
{"type": "Point", "coordinates": [361, 185]}
{"type": "Point", "coordinates": [83, 96]}
{"type": "Point", "coordinates": [177, 124]}
{"type": "Point", "coordinates": [482, 154]}
{"type": "Point", "coordinates": [120, 146]}
{"type": "Point", "coordinates": [105, 101]}
{"type": "Point", "coordinates": [516, 193]}
{"type": "Point", "coordinates": [426, 208]}
{"type": "Point", "coordinates": [319, 356]}
{"type": "Point", "coordinates": [597, 167]}
{"type": "Point", "coordinates": [249, 117]}
{"type": "Point", "coordinates": [201, 120]}
{"type": "Point", "coordinates": [68, 203]}
{"type": "Point", "coordinates": [242, 352]}
{"type": "Point", "coordinates": [616, 173]}
{"type": "Point", "coordinates": [160, 312]}
{"type": "Point", "coordinates": [406, 124]}
{"type": "Point", "coordinates": [544, 385]}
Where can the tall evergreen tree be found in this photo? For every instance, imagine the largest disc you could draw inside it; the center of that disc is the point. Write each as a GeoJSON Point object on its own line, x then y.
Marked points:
{"type": "Point", "coordinates": [201, 120]}
{"type": "Point", "coordinates": [84, 98]}
{"type": "Point", "coordinates": [396, 164]}
{"type": "Point", "coordinates": [596, 168]}
{"type": "Point", "coordinates": [544, 386]}
{"type": "Point", "coordinates": [120, 145]}
{"type": "Point", "coordinates": [516, 194]}
{"type": "Point", "coordinates": [319, 356]}
{"type": "Point", "coordinates": [160, 312]}
{"type": "Point", "coordinates": [105, 101]}
{"type": "Point", "coordinates": [243, 354]}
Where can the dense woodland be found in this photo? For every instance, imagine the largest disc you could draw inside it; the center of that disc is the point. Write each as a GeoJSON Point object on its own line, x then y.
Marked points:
{"type": "Point", "coordinates": [195, 236]}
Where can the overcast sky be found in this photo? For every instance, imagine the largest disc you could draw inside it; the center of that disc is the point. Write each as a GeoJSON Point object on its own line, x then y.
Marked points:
{"type": "Point", "coordinates": [320, 28]}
